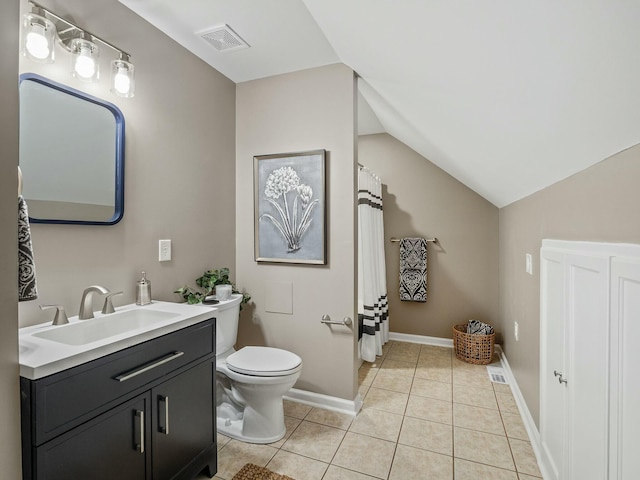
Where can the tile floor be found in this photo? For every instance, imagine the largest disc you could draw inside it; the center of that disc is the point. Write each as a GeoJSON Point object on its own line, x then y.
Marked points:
{"type": "Point", "coordinates": [426, 415]}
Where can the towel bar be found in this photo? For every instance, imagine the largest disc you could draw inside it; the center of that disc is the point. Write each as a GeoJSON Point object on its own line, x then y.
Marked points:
{"type": "Point", "coordinates": [346, 321]}
{"type": "Point", "coordinates": [396, 240]}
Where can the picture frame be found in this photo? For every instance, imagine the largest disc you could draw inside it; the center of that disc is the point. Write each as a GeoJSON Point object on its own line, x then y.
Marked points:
{"type": "Point", "coordinates": [290, 208]}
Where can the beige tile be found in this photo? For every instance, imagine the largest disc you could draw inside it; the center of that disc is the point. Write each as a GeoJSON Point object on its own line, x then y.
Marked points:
{"type": "Point", "coordinates": [405, 352]}
{"type": "Point", "coordinates": [431, 389]}
{"type": "Point", "coordinates": [379, 424]}
{"type": "Point", "coordinates": [221, 440]}
{"type": "Point", "coordinates": [429, 409]}
{"type": "Point", "coordinates": [436, 350]}
{"type": "Point", "coordinates": [202, 476]}
{"type": "Point", "coordinates": [478, 397]}
{"type": "Point", "coordinates": [514, 426]}
{"type": "Point", "coordinates": [363, 389]}
{"type": "Point", "coordinates": [290, 424]}
{"type": "Point", "coordinates": [338, 473]}
{"type": "Point", "coordinates": [233, 456]}
{"type": "Point", "coordinates": [316, 441]}
{"type": "Point", "coordinates": [297, 466]}
{"type": "Point", "coordinates": [414, 464]}
{"type": "Point", "coordinates": [392, 381]}
{"type": "Point", "coordinates": [436, 437]}
{"type": "Point", "coordinates": [465, 470]}
{"type": "Point", "coordinates": [398, 367]}
{"type": "Point", "coordinates": [366, 376]}
{"type": "Point", "coordinates": [477, 418]}
{"type": "Point", "coordinates": [507, 403]}
{"type": "Point", "coordinates": [471, 379]}
{"type": "Point", "coordinates": [386, 400]}
{"type": "Point", "coordinates": [524, 457]}
{"type": "Point", "coordinates": [435, 372]}
{"type": "Point", "coordinates": [434, 361]}
{"type": "Point", "coordinates": [482, 447]}
{"type": "Point", "coordinates": [295, 409]}
{"type": "Point", "coordinates": [502, 387]}
{"type": "Point", "coordinates": [367, 455]}
{"type": "Point", "coordinates": [330, 418]}
{"type": "Point", "coordinates": [522, 476]}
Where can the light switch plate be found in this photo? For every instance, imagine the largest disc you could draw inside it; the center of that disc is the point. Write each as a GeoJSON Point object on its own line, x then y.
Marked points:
{"type": "Point", "coordinates": [164, 250]}
{"type": "Point", "coordinates": [529, 264]}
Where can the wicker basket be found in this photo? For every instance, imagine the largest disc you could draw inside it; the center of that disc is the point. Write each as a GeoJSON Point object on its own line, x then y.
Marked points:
{"type": "Point", "coordinates": [473, 348]}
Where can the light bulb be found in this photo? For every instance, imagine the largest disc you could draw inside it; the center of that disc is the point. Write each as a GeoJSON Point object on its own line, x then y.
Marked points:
{"type": "Point", "coordinates": [37, 43]}
{"type": "Point", "coordinates": [122, 77]}
{"type": "Point", "coordinates": [121, 81]}
{"type": "Point", "coordinates": [85, 59]}
{"type": "Point", "coordinates": [38, 38]}
{"type": "Point", "coordinates": [85, 65]}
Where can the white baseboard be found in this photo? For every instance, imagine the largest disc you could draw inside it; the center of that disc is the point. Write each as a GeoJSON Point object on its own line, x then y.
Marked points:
{"type": "Point", "coordinates": [529, 424]}
{"type": "Point", "coordinates": [327, 402]}
{"type": "Point", "coordinates": [406, 337]}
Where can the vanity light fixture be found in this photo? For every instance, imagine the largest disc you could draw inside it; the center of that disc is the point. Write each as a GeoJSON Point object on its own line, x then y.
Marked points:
{"type": "Point", "coordinates": [38, 36]}
{"type": "Point", "coordinates": [85, 56]}
{"type": "Point", "coordinates": [122, 79]}
{"type": "Point", "coordinates": [41, 28]}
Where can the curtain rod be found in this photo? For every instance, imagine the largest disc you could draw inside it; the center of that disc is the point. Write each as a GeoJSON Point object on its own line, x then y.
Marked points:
{"type": "Point", "coordinates": [434, 239]}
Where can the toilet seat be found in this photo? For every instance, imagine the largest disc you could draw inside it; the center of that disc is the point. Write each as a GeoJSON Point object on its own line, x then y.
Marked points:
{"type": "Point", "coordinates": [264, 362]}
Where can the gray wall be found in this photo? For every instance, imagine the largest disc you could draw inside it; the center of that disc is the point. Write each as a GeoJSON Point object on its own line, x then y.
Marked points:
{"type": "Point", "coordinates": [9, 392]}
{"type": "Point", "coordinates": [179, 171]}
{"type": "Point", "coordinates": [300, 111]}
{"type": "Point", "coordinates": [422, 200]}
{"type": "Point", "coordinates": [597, 204]}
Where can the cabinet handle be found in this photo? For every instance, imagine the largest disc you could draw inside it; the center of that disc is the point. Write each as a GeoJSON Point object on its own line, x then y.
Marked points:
{"type": "Point", "coordinates": [148, 366]}
{"type": "Point", "coordinates": [164, 404]}
{"type": "Point", "coordinates": [139, 431]}
{"type": "Point", "coordinates": [560, 379]}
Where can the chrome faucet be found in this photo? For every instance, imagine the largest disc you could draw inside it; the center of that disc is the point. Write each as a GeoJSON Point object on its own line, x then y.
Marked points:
{"type": "Point", "coordinates": [86, 305]}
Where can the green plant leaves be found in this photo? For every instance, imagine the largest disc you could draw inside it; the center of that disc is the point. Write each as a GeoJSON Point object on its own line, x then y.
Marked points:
{"type": "Point", "coordinates": [208, 282]}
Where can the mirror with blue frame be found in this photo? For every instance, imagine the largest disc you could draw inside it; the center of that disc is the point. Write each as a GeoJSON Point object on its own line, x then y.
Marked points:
{"type": "Point", "coordinates": [71, 154]}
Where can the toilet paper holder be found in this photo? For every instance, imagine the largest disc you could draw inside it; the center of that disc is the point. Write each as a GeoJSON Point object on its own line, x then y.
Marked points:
{"type": "Point", "coordinates": [346, 321]}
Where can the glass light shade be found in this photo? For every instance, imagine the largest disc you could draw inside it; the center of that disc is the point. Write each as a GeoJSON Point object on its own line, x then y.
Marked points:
{"type": "Point", "coordinates": [39, 36]}
{"type": "Point", "coordinates": [85, 56]}
{"type": "Point", "coordinates": [122, 78]}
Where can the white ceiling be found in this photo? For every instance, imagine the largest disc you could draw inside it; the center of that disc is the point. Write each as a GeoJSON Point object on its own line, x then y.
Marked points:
{"type": "Point", "coordinates": [508, 96]}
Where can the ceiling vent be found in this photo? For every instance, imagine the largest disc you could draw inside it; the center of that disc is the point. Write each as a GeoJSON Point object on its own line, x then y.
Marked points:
{"type": "Point", "coordinates": [224, 39]}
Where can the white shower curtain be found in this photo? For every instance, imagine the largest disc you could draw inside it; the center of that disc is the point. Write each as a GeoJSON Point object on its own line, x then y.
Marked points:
{"type": "Point", "coordinates": [373, 310]}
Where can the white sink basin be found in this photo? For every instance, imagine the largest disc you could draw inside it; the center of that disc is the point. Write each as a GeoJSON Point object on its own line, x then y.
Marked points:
{"type": "Point", "coordinates": [92, 330]}
{"type": "Point", "coordinates": [47, 349]}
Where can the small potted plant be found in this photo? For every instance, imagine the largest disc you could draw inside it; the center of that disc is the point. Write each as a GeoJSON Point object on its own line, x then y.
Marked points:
{"type": "Point", "coordinates": [207, 282]}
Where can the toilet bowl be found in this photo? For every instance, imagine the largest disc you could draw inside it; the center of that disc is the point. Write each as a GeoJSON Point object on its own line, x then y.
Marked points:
{"type": "Point", "coordinates": [250, 382]}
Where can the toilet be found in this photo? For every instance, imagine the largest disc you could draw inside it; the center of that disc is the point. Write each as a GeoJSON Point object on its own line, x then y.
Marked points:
{"type": "Point", "coordinates": [250, 382]}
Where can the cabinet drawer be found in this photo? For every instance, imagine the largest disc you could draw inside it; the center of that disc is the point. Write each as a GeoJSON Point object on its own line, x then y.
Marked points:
{"type": "Point", "coordinates": [66, 399]}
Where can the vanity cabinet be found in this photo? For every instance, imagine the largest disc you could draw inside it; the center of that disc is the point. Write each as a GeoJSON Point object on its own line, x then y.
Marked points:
{"type": "Point", "coordinates": [143, 413]}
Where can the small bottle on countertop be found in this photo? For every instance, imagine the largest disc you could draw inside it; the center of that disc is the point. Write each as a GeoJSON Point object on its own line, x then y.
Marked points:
{"type": "Point", "coordinates": [143, 291]}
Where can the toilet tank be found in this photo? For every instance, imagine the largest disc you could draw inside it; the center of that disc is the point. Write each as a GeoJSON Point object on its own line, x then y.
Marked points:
{"type": "Point", "coordinates": [227, 318]}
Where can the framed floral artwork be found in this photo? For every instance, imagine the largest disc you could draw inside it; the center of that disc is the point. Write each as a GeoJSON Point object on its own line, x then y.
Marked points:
{"type": "Point", "coordinates": [289, 207]}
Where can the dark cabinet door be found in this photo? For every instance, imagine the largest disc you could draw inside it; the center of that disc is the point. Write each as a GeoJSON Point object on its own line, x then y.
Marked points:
{"type": "Point", "coordinates": [112, 446]}
{"type": "Point", "coordinates": [183, 420]}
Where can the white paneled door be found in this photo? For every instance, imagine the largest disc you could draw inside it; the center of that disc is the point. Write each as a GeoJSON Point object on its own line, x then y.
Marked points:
{"type": "Point", "coordinates": [590, 360]}
{"type": "Point", "coordinates": [625, 378]}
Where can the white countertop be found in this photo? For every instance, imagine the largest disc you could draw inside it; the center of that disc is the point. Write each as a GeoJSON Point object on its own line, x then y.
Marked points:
{"type": "Point", "coordinates": [40, 357]}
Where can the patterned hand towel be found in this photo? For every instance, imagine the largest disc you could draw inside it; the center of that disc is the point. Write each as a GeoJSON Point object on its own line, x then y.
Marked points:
{"type": "Point", "coordinates": [26, 267]}
{"type": "Point", "coordinates": [413, 270]}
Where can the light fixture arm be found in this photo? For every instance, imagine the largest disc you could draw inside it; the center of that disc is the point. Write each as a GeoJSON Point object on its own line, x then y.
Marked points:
{"type": "Point", "coordinates": [72, 27]}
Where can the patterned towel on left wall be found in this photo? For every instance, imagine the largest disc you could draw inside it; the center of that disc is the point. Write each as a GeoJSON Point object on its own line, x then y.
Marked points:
{"type": "Point", "coordinates": [26, 267]}
{"type": "Point", "coordinates": [413, 270]}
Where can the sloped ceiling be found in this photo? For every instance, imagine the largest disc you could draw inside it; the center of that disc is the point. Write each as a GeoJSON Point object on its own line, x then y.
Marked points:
{"type": "Point", "coordinates": [508, 96]}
